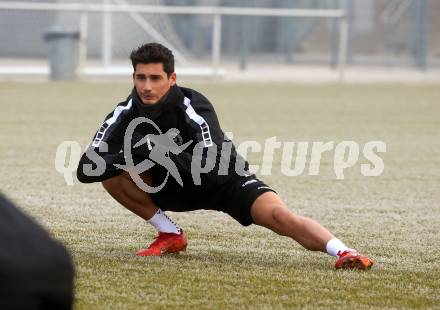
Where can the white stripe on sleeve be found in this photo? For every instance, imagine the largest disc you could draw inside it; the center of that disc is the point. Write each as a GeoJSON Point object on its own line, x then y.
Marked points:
{"type": "Point", "coordinates": [192, 114]}
{"type": "Point", "coordinates": [101, 132]}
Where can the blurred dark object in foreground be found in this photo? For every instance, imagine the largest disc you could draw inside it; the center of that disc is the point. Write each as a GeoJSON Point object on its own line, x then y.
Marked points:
{"type": "Point", "coordinates": [36, 271]}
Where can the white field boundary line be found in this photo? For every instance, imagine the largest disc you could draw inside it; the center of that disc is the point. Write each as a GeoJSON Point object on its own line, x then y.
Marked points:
{"type": "Point", "coordinates": [101, 71]}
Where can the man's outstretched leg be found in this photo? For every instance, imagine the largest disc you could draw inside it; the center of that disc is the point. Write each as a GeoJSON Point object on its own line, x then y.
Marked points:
{"type": "Point", "coordinates": [269, 211]}
{"type": "Point", "coordinates": [171, 238]}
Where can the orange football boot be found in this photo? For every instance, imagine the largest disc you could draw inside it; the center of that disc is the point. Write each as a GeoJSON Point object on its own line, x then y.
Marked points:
{"type": "Point", "coordinates": [165, 243]}
{"type": "Point", "coordinates": [351, 259]}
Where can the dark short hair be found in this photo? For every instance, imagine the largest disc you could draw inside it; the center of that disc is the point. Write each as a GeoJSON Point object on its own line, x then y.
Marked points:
{"type": "Point", "coordinates": [153, 53]}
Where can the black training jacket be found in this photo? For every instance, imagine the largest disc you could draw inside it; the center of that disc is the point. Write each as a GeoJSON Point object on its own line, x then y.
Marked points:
{"type": "Point", "coordinates": [181, 108]}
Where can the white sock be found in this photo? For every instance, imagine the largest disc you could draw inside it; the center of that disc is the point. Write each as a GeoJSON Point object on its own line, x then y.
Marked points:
{"type": "Point", "coordinates": [163, 223]}
{"type": "Point", "coordinates": [334, 246]}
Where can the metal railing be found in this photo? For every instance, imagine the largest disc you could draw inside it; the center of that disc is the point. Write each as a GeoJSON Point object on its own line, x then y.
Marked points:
{"type": "Point", "coordinates": [216, 12]}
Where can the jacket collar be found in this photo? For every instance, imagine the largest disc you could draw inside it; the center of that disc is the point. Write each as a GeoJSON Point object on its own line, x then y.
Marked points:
{"type": "Point", "coordinates": [166, 103]}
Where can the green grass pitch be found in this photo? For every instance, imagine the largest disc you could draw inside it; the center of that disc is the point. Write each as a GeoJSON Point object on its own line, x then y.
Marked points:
{"type": "Point", "coordinates": [395, 217]}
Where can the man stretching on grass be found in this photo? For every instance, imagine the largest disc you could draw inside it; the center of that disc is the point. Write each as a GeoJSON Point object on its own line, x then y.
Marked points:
{"type": "Point", "coordinates": [184, 162]}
